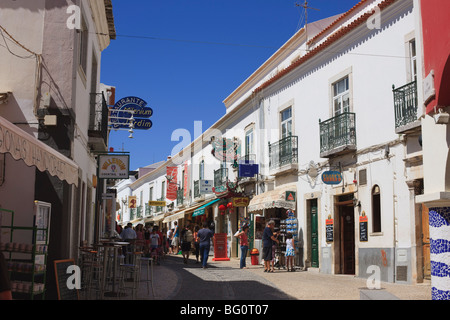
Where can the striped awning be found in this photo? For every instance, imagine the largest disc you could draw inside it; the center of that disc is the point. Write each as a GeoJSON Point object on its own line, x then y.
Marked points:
{"type": "Point", "coordinates": [23, 146]}
{"type": "Point", "coordinates": [201, 211]}
{"type": "Point", "coordinates": [272, 199]}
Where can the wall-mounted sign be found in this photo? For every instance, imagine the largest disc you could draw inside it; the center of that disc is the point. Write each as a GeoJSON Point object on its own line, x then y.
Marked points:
{"type": "Point", "coordinates": [363, 234]}
{"type": "Point", "coordinates": [113, 166]}
{"type": "Point", "coordinates": [131, 110]}
{"type": "Point", "coordinates": [248, 170]}
{"type": "Point", "coordinates": [329, 226]}
{"type": "Point", "coordinates": [332, 177]}
{"type": "Point", "coordinates": [157, 203]}
{"type": "Point", "coordinates": [132, 202]}
{"type": "Point", "coordinates": [241, 202]}
{"type": "Point", "coordinates": [290, 196]}
{"type": "Point", "coordinates": [206, 186]}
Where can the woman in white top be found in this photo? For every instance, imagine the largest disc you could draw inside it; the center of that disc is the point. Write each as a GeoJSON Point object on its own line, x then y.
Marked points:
{"type": "Point", "coordinates": [290, 252]}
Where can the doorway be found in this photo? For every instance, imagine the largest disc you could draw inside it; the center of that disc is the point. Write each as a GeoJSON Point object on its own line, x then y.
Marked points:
{"type": "Point", "coordinates": [346, 246]}
{"type": "Point", "coordinates": [314, 233]}
{"type": "Point", "coordinates": [426, 256]}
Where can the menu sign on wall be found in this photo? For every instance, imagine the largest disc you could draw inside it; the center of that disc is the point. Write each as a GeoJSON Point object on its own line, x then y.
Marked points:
{"type": "Point", "coordinates": [329, 226]}
{"type": "Point", "coordinates": [363, 233]}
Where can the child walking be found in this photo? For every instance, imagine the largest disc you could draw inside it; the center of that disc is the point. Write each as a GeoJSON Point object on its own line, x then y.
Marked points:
{"type": "Point", "coordinates": [290, 252]}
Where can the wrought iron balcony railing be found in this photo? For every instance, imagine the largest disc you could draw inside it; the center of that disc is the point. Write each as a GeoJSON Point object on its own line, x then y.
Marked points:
{"type": "Point", "coordinates": [197, 189]}
{"type": "Point", "coordinates": [220, 176]}
{"type": "Point", "coordinates": [148, 210]}
{"type": "Point", "coordinates": [338, 134]}
{"type": "Point", "coordinates": [160, 209]}
{"type": "Point", "coordinates": [180, 196]}
{"type": "Point", "coordinates": [283, 152]}
{"type": "Point", "coordinates": [98, 119]}
{"type": "Point", "coordinates": [405, 104]}
{"type": "Point", "coordinates": [132, 213]}
{"type": "Point", "coordinates": [139, 211]}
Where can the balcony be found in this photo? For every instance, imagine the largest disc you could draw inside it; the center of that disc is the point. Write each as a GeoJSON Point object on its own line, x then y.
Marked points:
{"type": "Point", "coordinates": [338, 135]}
{"type": "Point", "coordinates": [197, 189]}
{"type": "Point", "coordinates": [160, 209]}
{"type": "Point", "coordinates": [405, 105]}
{"type": "Point", "coordinates": [98, 122]}
{"type": "Point", "coordinates": [139, 211]}
{"type": "Point", "coordinates": [283, 156]}
{"type": "Point", "coordinates": [220, 177]}
{"type": "Point", "coordinates": [148, 210]}
{"type": "Point", "coordinates": [180, 197]}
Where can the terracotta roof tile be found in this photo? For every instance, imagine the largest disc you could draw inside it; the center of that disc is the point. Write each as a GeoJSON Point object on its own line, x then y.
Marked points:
{"type": "Point", "coordinates": [331, 39]}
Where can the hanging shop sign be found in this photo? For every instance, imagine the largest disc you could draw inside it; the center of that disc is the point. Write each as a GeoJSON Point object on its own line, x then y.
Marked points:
{"type": "Point", "coordinates": [112, 166]}
{"type": "Point", "coordinates": [172, 183]}
{"type": "Point", "coordinates": [290, 196]}
{"type": "Point", "coordinates": [132, 202]}
{"type": "Point", "coordinates": [157, 203]}
{"type": "Point", "coordinates": [226, 150]}
{"type": "Point", "coordinates": [332, 177]}
{"type": "Point", "coordinates": [131, 112]}
{"type": "Point", "coordinates": [241, 201]}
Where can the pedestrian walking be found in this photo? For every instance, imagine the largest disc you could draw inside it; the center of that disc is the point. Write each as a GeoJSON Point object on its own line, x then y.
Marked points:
{"type": "Point", "coordinates": [154, 245]}
{"type": "Point", "coordinates": [176, 238]}
{"type": "Point", "coordinates": [205, 234]}
{"type": "Point", "coordinates": [128, 235]}
{"type": "Point", "coordinates": [196, 243]}
{"type": "Point", "coordinates": [243, 237]}
{"type": "Point", "coordinates": [186, 243]}
{"type": "Point", "coordinates": [268, 239]}
{"type": "Point", "coordinates": [290, 251]}
{"type": "Point", "coordinates": [169, 239]}
{"type": "Point", "coordinates": [274, 250]}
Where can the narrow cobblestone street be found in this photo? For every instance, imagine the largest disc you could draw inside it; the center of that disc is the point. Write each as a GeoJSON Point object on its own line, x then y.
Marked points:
{"type": "Point", "coordinates": [174, 280]}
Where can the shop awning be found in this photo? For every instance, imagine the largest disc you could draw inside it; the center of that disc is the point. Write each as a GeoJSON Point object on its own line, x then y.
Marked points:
{"type": "Point", "coordinates": [174, 216]}
{"type": "Point", "coordinates": [154, 218]}
{"type": "Point", "coordinates": [23, 146]}
{"type": "Point", "coordinates": [201, 211]}
{"type": "Point", "coordinates": [272, 199]}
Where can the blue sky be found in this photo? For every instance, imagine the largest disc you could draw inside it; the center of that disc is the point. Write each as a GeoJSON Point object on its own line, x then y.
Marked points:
{"type": "Point", "coordinates": [185, 57]}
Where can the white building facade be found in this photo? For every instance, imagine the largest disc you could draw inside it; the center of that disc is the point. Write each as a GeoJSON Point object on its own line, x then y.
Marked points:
{"type": "Point", "coordinates": [332, 121]}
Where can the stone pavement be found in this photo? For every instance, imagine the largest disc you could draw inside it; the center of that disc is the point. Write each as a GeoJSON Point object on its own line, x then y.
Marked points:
{"type": "Point", "coordinates": [300, 285]}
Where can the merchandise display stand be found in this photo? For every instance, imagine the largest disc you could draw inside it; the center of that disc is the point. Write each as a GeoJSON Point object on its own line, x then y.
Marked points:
{"type": "Point", "coordinates": [26, 252]}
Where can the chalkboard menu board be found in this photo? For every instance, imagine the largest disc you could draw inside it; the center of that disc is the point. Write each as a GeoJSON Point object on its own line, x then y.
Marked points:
{"type": "Point", "coordinates": [363, 232]}
{"type": "Point", "coordinates": [329, 226]}
{"type": "Point", "coordinates": [64, 293]}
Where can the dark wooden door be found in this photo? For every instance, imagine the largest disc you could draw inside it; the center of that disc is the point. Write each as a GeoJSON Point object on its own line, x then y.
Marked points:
{"type": "Point", "coordinates": [347, 237]}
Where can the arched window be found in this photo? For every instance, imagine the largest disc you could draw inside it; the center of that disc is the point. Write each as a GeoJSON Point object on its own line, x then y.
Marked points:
{"type": "Point", "coordinates": [376, 209]}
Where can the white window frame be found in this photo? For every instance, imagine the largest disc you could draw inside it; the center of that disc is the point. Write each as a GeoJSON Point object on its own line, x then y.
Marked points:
{"type": "Point", "coordinates": [288, 122]}
{"type": "Point", "coordinates": [249, 141]}
{"type": "Point", "coordinates": [341, 98]}
{"type": "Point", "coordinates": [347, 73]}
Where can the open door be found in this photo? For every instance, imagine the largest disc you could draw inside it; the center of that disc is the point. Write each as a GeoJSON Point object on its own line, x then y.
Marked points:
{"type": "Point", "coordinates": [426, 243]}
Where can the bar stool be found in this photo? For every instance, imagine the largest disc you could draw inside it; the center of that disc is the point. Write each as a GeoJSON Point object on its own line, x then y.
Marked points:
{"type": "Point", "coordinates": [148, 262]}
{"type": "Point", "coordinates": [92, 273]}
{"type": "Point", "coordinates": [133, 270]}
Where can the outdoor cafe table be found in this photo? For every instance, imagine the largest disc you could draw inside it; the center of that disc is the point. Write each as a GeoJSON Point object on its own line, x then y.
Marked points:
{"type": "Point", "coordinates": [108, 246]}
